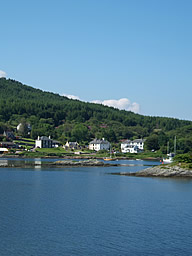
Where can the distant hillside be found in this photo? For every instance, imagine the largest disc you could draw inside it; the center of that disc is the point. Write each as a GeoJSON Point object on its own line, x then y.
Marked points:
{"type": "Point", "coordinates": [63, 118]}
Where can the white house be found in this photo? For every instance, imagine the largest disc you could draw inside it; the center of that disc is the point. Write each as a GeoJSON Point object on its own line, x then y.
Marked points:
{"type": "Point", "coordinates": [139, 143]}
{"type": "Point", "coordinates": [71, 145]}
{"type": "Point", "coordinates": [99, 145]}
{"type": "Point", "coordinates": [3, 150]}
{"type": "Point", "coordinates": [134, 146]}
{"type": "Point", "coordinates": [44, 142]}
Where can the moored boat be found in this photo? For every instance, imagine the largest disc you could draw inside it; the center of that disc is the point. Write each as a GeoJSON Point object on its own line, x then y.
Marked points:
{"type": "Point", "coordinates": [109, 159]}
{"type": "Point", "coordinates": [170, 157]}
{"type": "Point", "coordinates": [168, 160]}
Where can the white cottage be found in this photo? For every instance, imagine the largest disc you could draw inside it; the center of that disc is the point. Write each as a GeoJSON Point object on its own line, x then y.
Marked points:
{"type": "Point", "coordinates": [44, 142]}
{"type": "Point", "coordinates": [99, 145]}
{"type": "Point", "coordinates": [71, 145]}
{"type": "Point", "coordinates": [134, 146]}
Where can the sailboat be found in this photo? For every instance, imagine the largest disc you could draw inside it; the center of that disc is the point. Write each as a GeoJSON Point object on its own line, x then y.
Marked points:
{"type": "Point", "coordinates": [109, 158]}
{"type": "Point", "coordinates": [169, 159]}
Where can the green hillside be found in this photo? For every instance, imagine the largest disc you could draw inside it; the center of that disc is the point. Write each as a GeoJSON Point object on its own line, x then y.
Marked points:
{"type": "Point", "coordinates": [66, 119]}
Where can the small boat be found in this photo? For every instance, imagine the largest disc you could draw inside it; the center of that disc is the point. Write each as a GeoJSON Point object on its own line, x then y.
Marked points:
{"type": "Point", "coordinates": [108, 159]}
{"type": "Point", "coordinates": [169, 159]}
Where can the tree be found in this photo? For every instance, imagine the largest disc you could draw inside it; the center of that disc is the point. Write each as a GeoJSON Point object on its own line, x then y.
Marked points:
{"type": "Point", "coordinates": [80, 133]}
{"type": "Point", "coordinates": [152, 142]}
{"type": "Point", "coordinates": [109, 134]}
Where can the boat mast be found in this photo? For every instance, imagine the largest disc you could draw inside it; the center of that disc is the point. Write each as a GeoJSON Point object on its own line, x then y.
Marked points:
{"type": "Point", "coordinates": [175, 146]}
{"type": "Point", "coordinates": [167, 147]}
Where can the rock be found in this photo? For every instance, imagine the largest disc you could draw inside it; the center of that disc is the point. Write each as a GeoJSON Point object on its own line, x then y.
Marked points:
{"type": "Point", "coordinates": [164, 171]}
{"type": "Point", "coordinates": [89, 162]}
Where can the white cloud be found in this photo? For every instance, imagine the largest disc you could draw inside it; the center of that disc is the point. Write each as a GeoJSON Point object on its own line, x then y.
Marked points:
{"type": "Point", "coordinates": [2, 73]}
{"type": "Point", "coordinates": [71, 96]}
{"type": "Point", "coordinates": [123, 104]}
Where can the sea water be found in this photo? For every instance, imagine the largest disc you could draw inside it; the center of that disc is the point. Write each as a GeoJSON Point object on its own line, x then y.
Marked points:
{"type": "Point", "coordinates": [90, 211]}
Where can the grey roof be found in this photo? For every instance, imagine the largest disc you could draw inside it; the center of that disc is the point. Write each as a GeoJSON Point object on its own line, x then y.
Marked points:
{"type": "Point", "coordinates": [97, 141]}
{"type": "Point", "coordinates": [73, 143]}
{"type": "Point", "coordinates": [44, 138]}
{"type": "Point", "coordinates": [126, 142]}
{"type": "Point", "coordinates": [134, 141]}
{"type": "Point", "coordinates": [139, 140]}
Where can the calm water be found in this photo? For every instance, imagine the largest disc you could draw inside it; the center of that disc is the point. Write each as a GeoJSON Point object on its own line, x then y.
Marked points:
{"type": "Point", "coordinates": [88, 211]}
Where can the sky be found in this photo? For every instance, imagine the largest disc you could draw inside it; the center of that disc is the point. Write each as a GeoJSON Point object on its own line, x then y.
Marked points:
{"type": "Point", "coordinates": [130, 54]}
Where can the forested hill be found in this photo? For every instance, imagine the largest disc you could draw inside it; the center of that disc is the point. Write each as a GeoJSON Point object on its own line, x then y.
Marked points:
{"type": "Point", "coordinates": [63, 118]}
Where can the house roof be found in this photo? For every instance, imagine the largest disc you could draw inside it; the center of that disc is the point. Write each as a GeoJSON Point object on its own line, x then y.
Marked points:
{"type": "Point", "coordinates": [96, 141]}
{"type": "Point", "coordinates": [126, 142]}
{"type": "Point", "coordinates": [139, 140]}
{"type": "Point", "coordinates": [72, 143]}
{"type": "Point", "coordinates": [134, 141]}
{"type": "Point", "coordinates": [43, 138]}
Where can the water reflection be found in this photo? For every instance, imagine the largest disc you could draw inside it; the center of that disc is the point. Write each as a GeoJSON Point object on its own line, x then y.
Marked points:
{"type": "Point", "coordinates": [37, 163]}
{"type": "Point", "coordinates": [3, 162]}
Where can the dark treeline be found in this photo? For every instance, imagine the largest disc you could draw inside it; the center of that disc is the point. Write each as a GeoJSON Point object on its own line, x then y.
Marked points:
{"type": "Point", "coordinates": [66, 119]}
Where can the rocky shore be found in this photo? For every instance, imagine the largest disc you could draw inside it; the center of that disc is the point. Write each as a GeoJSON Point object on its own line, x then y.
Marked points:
{"type": "Point", "coordinates": [162, 171]}
{"type": "Point", "coordinates": [62, 163]}
{"type": "Point", "coordinates": [89, 162]}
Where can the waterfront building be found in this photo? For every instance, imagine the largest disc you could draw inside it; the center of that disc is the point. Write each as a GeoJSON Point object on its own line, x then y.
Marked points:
{"type": "Point", "coordinates": [44, 142]}
{"type": "Point", "coordinates": [71, 145]}
{"type": "Point", "coordinates": [97, 145]}
{"type": "Point", "coordinates": [134, 146]}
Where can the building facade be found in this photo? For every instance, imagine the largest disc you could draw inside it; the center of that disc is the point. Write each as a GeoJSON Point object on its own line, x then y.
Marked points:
{"type": "Point", "coordinates": [44, 142]}
{"type": "Point", "coordinates": [134, 146]}
{"type": "Point", "coordinates": [99, 145]}
{"type": "Point", "coordinates": [71, 145]}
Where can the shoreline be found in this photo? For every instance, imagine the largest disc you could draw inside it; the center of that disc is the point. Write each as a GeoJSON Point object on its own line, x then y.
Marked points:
{"type": "Point", "coordinates": [62, 163]}
{"type": "Point", "coordinates": [80, 157]}
{"type": "Point", "coordinates": [162, 171]}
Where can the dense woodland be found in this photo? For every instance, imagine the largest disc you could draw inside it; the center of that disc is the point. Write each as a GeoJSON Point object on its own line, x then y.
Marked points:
{"type": "Point", "coordinates": [65, 119]}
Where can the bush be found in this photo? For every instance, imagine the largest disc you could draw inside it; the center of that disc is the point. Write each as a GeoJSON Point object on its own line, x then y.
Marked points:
{"type": "Point", "coordinates": [184, 158]}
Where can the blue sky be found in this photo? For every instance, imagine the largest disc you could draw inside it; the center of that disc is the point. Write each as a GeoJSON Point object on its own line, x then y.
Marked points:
{"type": "Point", "coordinates": [133, 54]}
